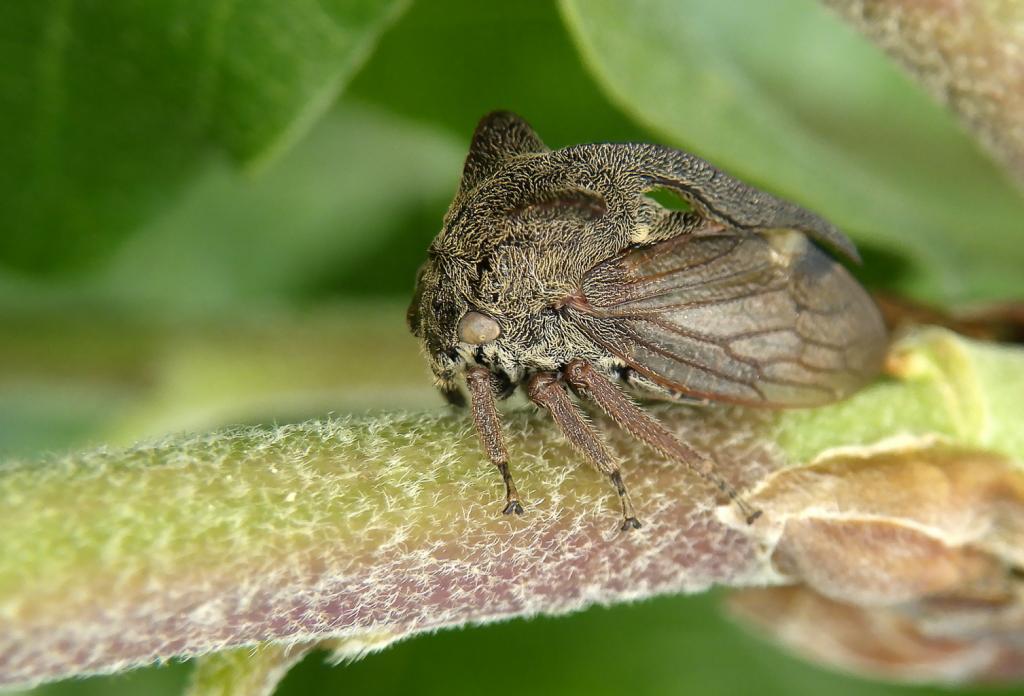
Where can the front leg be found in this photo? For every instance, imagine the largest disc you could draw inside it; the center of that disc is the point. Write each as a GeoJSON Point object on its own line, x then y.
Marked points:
{"type": "Point", "coordinates": [545, 390]}
{"type": "Point", "coordinates": [485, 416]}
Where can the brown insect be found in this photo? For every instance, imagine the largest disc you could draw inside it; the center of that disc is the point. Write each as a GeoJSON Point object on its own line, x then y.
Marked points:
{"type": "Point", "coordinates": [555, 270]}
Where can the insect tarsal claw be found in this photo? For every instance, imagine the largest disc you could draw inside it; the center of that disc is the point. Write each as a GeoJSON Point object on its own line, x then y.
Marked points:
{"type": "Point", "coordinates": [513, 507]}
{"type": "Point", "coordinates": [630, 523]}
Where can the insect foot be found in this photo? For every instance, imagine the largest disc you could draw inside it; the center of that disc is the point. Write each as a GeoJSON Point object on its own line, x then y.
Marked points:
{"type": "Point", "coordinates": [629, 520]}
{"type": "Point", "coordinates": [557, 261]}
{"type": "Point", "coordinates": [512, 504]}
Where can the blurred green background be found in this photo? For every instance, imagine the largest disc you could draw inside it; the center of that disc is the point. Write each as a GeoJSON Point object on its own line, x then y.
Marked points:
{"type": "Point", "coordinates": [213, 213]}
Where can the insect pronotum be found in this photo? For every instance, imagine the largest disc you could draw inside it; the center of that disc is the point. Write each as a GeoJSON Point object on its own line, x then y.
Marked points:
{"type": "Point", "coordinates": [556, 271]}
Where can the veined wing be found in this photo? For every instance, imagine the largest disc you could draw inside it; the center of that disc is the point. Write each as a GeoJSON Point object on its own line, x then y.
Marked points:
{"type": "Point", "coordinates": [756, 319]}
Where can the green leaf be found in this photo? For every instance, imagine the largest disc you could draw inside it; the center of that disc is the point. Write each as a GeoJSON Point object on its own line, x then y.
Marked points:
{"type": "Point", "coordinates": [349, 210]}
{"type": "Point", "coordinates": [784, 95]}
{"type": "Point", "coordinates": [283, 65]}
{"type": "Point", "coordinates": [450, 62]}
{"type": "Point", "coordinates": [108, 107]}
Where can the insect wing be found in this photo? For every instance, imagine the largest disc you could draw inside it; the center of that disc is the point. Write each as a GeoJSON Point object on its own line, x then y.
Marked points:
{"type": "Point", "coordinates": [756, 319]}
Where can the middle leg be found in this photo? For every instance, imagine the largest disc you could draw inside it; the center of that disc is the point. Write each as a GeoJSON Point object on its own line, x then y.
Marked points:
{"type": "Point", "coordinates": [641, 425]}
{"type": "Point", "coordinates": [544, 389]}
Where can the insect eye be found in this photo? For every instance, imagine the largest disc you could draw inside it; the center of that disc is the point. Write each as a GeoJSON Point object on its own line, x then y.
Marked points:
{"type": "Point", "coordinates": [477, 328]}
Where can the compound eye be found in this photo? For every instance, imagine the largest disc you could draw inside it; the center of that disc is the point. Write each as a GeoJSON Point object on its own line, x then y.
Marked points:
{"type": "Point", "coordinates": [477, 328]}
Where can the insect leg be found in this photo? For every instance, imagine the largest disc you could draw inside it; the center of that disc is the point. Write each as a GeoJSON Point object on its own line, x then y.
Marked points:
{"type": "Point", "coordinates": [582, 376]}
{"type": "Point", "coordinates": [485, 417]}
{"type": "Point", "coordinates": [544, 390]}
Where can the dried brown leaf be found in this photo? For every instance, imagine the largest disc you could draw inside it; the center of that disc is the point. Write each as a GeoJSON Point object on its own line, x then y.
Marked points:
{"type": "Point", "coordinates": [884, 643]}
{"type": "Point", "coordinates": [906, 563]}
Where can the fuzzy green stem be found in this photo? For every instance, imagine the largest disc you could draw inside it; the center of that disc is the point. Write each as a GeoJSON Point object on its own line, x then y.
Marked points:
{"type": "Point", "coordinates": [390, 524]}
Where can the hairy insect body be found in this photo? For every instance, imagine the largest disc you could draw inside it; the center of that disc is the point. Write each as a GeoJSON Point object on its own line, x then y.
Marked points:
{"type": "Point", "coordinates": [554, 271]}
